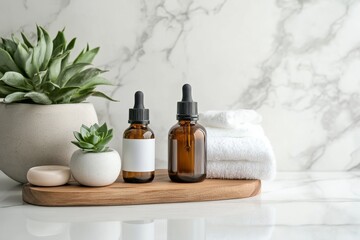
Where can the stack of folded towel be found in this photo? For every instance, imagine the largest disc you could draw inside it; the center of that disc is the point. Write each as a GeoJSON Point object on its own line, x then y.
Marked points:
{"type": "Point", "coordinates": [237, 147]}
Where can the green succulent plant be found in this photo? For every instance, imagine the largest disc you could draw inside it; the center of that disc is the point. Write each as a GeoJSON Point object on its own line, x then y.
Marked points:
{"type": "Point", "coordinates": [43, 73]}
{"type": "Point", "coordinates": [93, 138]}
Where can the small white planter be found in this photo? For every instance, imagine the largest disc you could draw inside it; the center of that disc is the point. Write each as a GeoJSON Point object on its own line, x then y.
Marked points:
{"type": "Point", "coordinates": [95, 169]}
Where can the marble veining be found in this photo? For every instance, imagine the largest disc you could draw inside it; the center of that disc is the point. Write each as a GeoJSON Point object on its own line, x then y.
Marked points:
{"type": "Point", "coordinates": [294, 69]}
{"type": "Point", "coordinates": [294, 61]}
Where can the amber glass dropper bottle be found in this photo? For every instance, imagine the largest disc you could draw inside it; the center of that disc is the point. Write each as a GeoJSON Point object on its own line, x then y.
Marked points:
{"type": "Point", "coordinates": [138, 160]}
{"type": "Point", "coordinates": [187, 143]}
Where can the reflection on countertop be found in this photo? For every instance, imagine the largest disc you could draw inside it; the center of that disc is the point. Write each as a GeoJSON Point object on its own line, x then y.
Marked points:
{"type": "Point", "coordinates": [297, 205]}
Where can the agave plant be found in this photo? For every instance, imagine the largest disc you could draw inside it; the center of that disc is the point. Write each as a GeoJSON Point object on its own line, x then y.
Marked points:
{"type": "Point", "coordinates": [93, 138]}
{"type": "Point", "coordinates": [43, 73]}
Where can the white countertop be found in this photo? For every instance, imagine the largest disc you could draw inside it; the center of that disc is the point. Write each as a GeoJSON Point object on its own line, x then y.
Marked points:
{"type": "Point", "coordinates": [297, 205]}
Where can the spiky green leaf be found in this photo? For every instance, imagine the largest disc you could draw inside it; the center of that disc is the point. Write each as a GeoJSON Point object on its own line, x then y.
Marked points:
{"type": "Point", "coordinates": [95, 81]}
{"type": "Point", "coordinates": [49, 87]}
{"type": "Point", "coordinates": [82, 78]}
{"type": "Point", "coordinates": [7, 63]}
{"type": "Point", "coordinates": [59, 43]}
{"type": "Point", "coordinates": [86, 145]}
{"type": "Point", "coordinates": [65, 62]}
{"type": "Point", "coordinates": [62, 95]}
{"type": "Point", "coordinates": [39, 50]}
{"type": "Point", "coordinates": [16, 40]}
{"type": "Point", "coordinates": [17, 81]}
{"type": "Point", "coordinates": [100, 148]}
{"type": "Point", "coordinates": [81, 96]}
{"type": "Point", "coordinates": [30, 67]}
{"type": "Point", "coordinates": [85, 127]}
{"type": "Point", "coordinates": [39, 98]}
{"type": "Point", "coordinates": [93, 129]}
{"type": "Point", "coordinates": [76, 144]}
{"type": "Point", "coordinates": [57, 51]}
{"type": "Point", "coordinates": [103, 128]}
{"type": "Point", "coordinates": [38, 79]}
{"type": "Point", "coordinates": [84, 131]}
{"type": "Point", "coordinates": [9, 45]}
{"type": "Point", "coordinates": [69, 72]}
{"type": "Point", "coordinates": [93, 139]}
{"type": "Point", "coordinates": [106, 139]}
{"type": "Point", "coordinates": [15, 97]}
{"type": "Point", "coordinates": [78, 136]}
{"type": "Point", "coordinates": [87, 56]}
{"type": "Point", "coordinates": [48, 51]}
{"type": "Point", "coordinates": [55, 67]}
{"type": "Point", "coordinates": [102, 95]}
{"type": "Point", "coordinates": [6, 89]}
{"type": "Point", "coordinates": [21, 55]}
{"type": "Point", "coordinates": [71, 44]}
{"type": "Point", "coordinates": [26, 41]}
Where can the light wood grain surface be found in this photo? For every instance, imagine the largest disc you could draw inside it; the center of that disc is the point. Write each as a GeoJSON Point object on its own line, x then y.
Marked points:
{"type": "Point", "coordinates": [161, 190]}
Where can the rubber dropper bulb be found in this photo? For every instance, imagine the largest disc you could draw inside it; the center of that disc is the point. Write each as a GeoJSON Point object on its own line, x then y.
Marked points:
{"type": "Point", "coordinates": [186, 91]}
{"type": "Point", "coordinates": [139, 114]}
{"type": "Point", "coordinates": [187, 108]}
{"type": "Point", "coordinates": [139, 100]}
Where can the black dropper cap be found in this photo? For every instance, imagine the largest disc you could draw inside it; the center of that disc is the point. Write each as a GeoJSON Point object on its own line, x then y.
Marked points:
{"type": "Point", "coordinates": [139, 114]}
{"type": "Point", "coordinates": [187, 108]}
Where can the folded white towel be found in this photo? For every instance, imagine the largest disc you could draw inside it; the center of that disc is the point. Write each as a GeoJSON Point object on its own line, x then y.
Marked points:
{"type": "Point", "coordinates": [240, 158]}
{"type": "Point", "coordinates": [237, 147]}
{"type": "Point", "coordinates": [229, 119]}
{"type": "Point", "coordinates": [246, 130]}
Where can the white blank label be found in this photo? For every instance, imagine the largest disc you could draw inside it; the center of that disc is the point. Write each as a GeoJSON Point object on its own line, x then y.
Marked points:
{"type": "Point", "coordinates": [138, 155]}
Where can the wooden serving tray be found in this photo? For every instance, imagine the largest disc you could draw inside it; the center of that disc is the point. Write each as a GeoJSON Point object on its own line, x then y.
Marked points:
{"type": "Point", "coordinates": [161, 190]}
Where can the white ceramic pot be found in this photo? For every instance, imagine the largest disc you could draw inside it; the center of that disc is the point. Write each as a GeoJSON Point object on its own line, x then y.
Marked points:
{"type": "Point", "coordinates": [34, 135]}
{"type": "Point", "coordinates": [95, 169]}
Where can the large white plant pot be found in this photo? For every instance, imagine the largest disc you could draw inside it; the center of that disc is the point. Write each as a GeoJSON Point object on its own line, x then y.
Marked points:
{"type": "Point", "coordinates": [33, 135]}
{"type": "Point", "coordinates": [95, 169]}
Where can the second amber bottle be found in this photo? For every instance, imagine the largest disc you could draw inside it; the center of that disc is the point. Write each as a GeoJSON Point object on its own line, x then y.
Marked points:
{"type": "Point", "coordinates": [187, 143]}
{"type": "Point", "coordinates": [138, 160]}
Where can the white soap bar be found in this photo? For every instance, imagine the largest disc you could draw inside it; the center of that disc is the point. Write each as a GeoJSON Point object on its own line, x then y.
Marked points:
{"type": "Point", "coordinates": [49, 175]}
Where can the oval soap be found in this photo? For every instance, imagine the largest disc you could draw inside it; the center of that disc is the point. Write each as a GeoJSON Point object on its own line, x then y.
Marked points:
{"type": "Point", "coordinates": [49, 175]}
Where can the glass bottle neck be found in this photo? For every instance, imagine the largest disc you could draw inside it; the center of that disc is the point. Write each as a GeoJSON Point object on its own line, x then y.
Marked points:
{"type": "Point", "coordinates": [184, 122]}
{"type": "Point", "coordinates": [139, 125]}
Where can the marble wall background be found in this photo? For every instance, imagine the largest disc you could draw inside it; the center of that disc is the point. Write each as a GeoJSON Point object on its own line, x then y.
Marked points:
{"type": "Point", "coordinates": [296, 62]}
